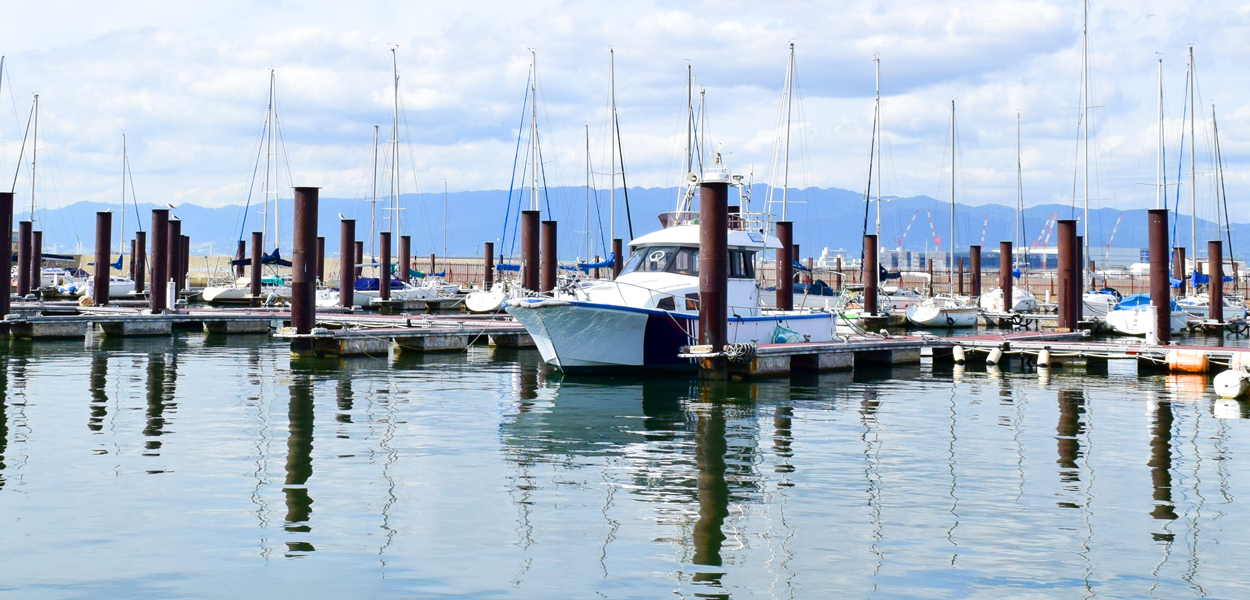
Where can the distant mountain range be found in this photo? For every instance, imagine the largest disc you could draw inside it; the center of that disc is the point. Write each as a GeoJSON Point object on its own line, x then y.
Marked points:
{"type": "Point", "coordinates": [832, 218]}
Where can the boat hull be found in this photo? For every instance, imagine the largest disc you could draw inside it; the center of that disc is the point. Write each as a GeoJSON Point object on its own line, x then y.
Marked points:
{"type": "Point", "coordinates": [586, 337]}
{"type": "Point", "coordinates": [1137, 321]}
{"type": "Point", "coordinates": [923, 315]}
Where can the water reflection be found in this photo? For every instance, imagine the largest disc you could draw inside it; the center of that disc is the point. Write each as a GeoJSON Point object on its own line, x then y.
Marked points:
{"type": "Point", "coordinates": [99, 397]}
{"type": "Point", "coordinates": [713, 491]}
{"type": "Point", "coordinates": [4, 416]}
{"type": "Point", "coordinates": [299, 468]}
{"type": "Point", "coordinates": [1161, 465]}
{"type": "Point", "coordinates": [1067, 434]}
{"type": "Point", "coordinates": [162, 380]}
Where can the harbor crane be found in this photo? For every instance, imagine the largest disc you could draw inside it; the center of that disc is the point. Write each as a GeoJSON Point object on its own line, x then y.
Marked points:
{"type": "Point", "coordinates": [903, 238]}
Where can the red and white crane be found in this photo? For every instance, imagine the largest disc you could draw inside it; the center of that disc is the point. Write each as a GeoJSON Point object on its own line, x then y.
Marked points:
{"type": "Point", "coordinates": [903, 238]}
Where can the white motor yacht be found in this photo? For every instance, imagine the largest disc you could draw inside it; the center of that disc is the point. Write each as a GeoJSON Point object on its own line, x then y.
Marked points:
{"type": "Point", "coordinates": [943, 311]}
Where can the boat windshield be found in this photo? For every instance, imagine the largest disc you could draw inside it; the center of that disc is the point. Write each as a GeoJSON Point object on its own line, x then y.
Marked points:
{"type": "Point", "coordinates": [664, 259]}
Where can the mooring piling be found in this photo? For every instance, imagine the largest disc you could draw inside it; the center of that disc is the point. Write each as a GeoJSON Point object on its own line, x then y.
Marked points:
{"type": "Point", "coordinates": [240, 253]}
{"type": "Point", "coordinates": [321, 259]}
{"type": "Point", "coordinates": [36, 259]}
{"type": "Point", "coordinates": [488, 266]}
{"type": "Point", "coordinates": [618, 262]}
{"type": "Point", "coordinates": [1160, 287]}
{"type": "Point", "coordinates": [1078, 277]}
{"type": "Point", "coordinates": [6, 261]}
{"type": "Point", "coordinates": [714, 268]}
{"type": "Point", "coordinates": [24, 235]}
{"type": "Point", "coordinates": [184, 276]}
{"type": "Point", "coordinates": [157, 302]}
{"type": "Point", "coordinates": [1215, 269]}
{"type": "Point", "coordinates": [960, 276]}
{"type": "Point", "coordinates": [785, 265]}
{"type": "Point", "coordinates": [103, 243]}
{"type": "Point", "coordinates": [257, 270]}
{"type": "Point", "coordinates": [347, 270]}
{"type": "Point", "coordinates": [1066, 274]}
{"type": "Point", "coordinates": [140, 262]}
{"type": "Point", "coordinates": [871, 277]}
{"type": "Point", "coordinates": [529, 250]}
{"type": "Point", "coordinates": [173, 258]}
{"type": "Point", "coordinates": [548, 260]}
{"type": "Point", "coordinates": [130, 270]}
{"type": "Point", "coordinates": [1006, 282]}
{"type": "Point", "coordinates": [1178, 269]}
{"type": "Point", "coordinates": [304, 268]}
{"type": "Point", "coordinates": [360, 258]}
{"type": "Point", "coordinates": [405, 258]}
{"type": "Point", "coordinates": [974, 280]}
{"type": "Point", "coordinates": [384, 268]}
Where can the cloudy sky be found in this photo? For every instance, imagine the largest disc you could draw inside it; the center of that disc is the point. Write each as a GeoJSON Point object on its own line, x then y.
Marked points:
{"type": "Point", "coordinates": [188, 85]}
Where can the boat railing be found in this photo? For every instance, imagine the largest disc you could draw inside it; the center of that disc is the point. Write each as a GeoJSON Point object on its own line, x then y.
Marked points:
{"type": "Point", "coordinates": [738, 221]}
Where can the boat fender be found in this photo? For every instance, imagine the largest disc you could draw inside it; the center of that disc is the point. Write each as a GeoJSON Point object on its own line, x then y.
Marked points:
{"type": "Point", "coordinates": [1239, 360]}
{"type": "Point", "coordinates": [1043, 359]}
{"type": "Point", "coordinates": [1232, 384]}
{"type": "Point", "coordinates": [996, 355]}
{"type": "Point", "coordinates": [958, 353]}
{"type": "Point", "coordinates": [1187, 361]}
{"type": "Point", "coordinates": [950, 320]}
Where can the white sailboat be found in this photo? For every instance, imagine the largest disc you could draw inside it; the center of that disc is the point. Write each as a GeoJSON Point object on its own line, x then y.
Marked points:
{"type": "Point", "coordinates": [946, 310]}
{"type": "Point", "coordinates": [275, 287]}
{"type": "Point", "coordinates": [1022, 300]}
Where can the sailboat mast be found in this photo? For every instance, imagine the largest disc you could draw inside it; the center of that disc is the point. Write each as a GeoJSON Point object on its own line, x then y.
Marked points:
{"type": "Point", "coordinates": [273, 134]}
{"type": "Point", "coordinates": [373, 203]}
{"type": "Point", "coordinates": [34, 154]}
{"type": "Point", "coordinates": [1085, 122]}
{"type": "Point", "coordinates": [785, 177]}
{"type": "Point", "coordinates": [444, 225]}
{"type": "Point", "coordinates": [1159, 173]}
{"type": "Point", "coordinates": [587, 232]}
{"type": "Point", "coordinates": [395, 145]}
{"type": "Point", "coordinates": [877, 134]}
{"type": "Point", "coordinates": [1193, 166]}
{"type": "Point", "coordinates": [1220, 192]}
{"type": "Point", "coordinates": [121, 240]}
{"type": "Point", "coordinates": [612, 141]}
{"type": "Point", "coordinates": [534, 130]}
{"type": "Point", "coordinates": [951, 266]}
{"type": "Point", "coordinates": [264, 186]}
{"type": "Point", "coordinates": [1019, 195]}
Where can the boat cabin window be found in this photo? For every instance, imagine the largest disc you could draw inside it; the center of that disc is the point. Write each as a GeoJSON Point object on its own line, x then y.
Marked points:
{"type": "Point", "coordinates": [667, 259]}
{"type": "Point", "coordinates": [741, 264]}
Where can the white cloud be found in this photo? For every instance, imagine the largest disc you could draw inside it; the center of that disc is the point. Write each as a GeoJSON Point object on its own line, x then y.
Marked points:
{"type": "Point", "coordinates": [188, 84]}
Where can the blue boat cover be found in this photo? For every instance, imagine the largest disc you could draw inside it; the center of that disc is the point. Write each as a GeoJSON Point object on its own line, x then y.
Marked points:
{"type": "Point", "coordinates": [373, 284]}
{"type": "Point", "coordinates": [1139, 301]}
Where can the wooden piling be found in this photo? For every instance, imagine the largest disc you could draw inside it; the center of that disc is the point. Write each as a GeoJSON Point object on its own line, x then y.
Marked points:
{"type": "Point", "coordinates": [103, 242]}
{"type": "Point", "coordinates": [1005, 276]}
{"type": "Point", "coordinates": [6, 257]}
{"type": "Point", "coordinates": [618, 262]}
{"type": "Point", "coordinates": [1067, 274]}
{"type": "Point", "coordinates": [240, 253]}
{"type": "Point", "coordinates": [173, 258]}
{"type": "Point", "coordinates": [157, 302]}
{"type": "Point", "coordinates": [714, 269]}
{"type": "Point", "coordinates": [384, 267]}
{"type": "Point", "coordinates": [405, 258]}
{"type": "Point", "coordinates": [1160, 287]}
{"type": "Point", "coordinates": [530, 250]}
{"type": "Point", "coordinates": [360, 259]}
{"type": "Point", "coordinates": [257, 270]}
{"type": "Point", "coordinates": [549, 262]}
{"type": "Point", "coordinates": [321, 259]}
{"type": "Point", "coordinates": [347, 267]}
{"type": "Point", "coordinates": [871, 276]}
{"type": "Point", "coordinates": [488, 266]}
{"type": "Point", "coordinates": [1215, 269]}
{"type": "Point", "coordinates": [974, 257]}
{"type": "Point", "coordinates": [36, 259]}
{"type": "Point", "coordinates": [785, 265]}
{"type": "Point", "coordinates": [1178, 269]}
{"type": "Point", "coordinates": [23, 257]}
{"type": "Point", "coordinates": [304, 267]}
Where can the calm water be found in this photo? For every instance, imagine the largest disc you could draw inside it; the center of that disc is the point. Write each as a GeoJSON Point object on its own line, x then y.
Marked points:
{"type": "Point", "coordinates": [194, 468]}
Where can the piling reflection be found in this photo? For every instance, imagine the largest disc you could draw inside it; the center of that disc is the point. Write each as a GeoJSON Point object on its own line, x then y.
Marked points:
{"type": "Point", "coordinates": [1067, 435]}
{"type": "Point", "coordinates": [4, 417]}
{"type": "Point", "coordinates": [713, 491]}
{"type": "Point", "coordinates": [343, 399]}
{"type": "Point", "coordinates": [162, 379]}
{"type": "Point", "coordinates": [299, 466]}
{"type": "Point", "coordinates": [99, 395]}
{"type": "Point", "coordinates": [1161, 465]}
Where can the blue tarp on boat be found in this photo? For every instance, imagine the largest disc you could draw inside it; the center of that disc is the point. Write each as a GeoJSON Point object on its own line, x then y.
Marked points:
{"type": "Point", "coordinates": [1138, 301]}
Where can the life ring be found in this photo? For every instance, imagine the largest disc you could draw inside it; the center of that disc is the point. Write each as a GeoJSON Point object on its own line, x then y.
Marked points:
{"type": "Point", "coordinates": [950, 321]}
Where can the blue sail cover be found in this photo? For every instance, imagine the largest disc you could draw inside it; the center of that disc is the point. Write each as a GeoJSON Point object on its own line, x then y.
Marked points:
{"type": "Point", "coordinates": [1197, 278]}
{"type": "Point", "coordinates": [507, 267]}
{"type": "Point", "coordinates": [798, 266]}
{"type": "Point", "coordinates": [265, 259]}
{"type": "Point", "coordinates": [373, 284]}
{"type": "Point", "coordinates": [117, 265]}
{"type": "Point", "coordinates": [1139, 301]}
{"type": "Point", "coordinates": [1015, 273]}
